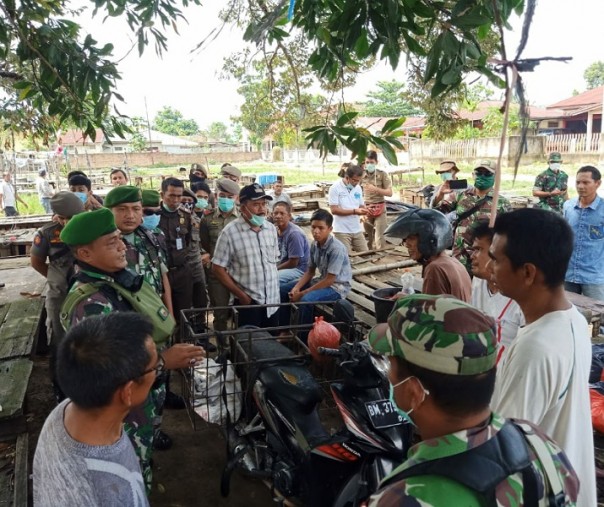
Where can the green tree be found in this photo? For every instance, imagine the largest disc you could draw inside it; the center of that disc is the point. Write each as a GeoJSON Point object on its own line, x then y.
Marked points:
{"type": "Point", "coordinates": [171, 121]}
{"type": "Point", "coordinates": [594, 75]}
{"type": "Point", "coordinates": [218, 131]}
{"type": "Point", "coordinates": [138, 142]}
{"type": "Point", "coordinates": [389, 100]}
{"type": "Point", "coordinates": [51, 72]}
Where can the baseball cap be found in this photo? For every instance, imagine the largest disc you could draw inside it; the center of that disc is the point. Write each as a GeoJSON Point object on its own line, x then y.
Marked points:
{"type": "Point", "coordinates": [486, 164]}
{"type": "Point", "coordinates": [438, 333]}
{"type": "Point", "coordinates": [253, 192]}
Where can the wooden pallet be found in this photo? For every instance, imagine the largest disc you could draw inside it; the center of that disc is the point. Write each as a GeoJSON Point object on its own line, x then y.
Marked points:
{"type": "Point", "coordinates": [14, 471]}
{"type": "Point", "coordinates": [15, 375]}
{"type": "Point", "coordinates": [19, 325]}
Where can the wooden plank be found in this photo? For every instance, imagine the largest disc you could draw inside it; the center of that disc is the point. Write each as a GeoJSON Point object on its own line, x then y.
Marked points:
{"type": "Point", "coordinates": [361, 288]}
{"type": "Point", "coordinates": [15, 375]}
{"type": "Point", "coordinates": [21, 474]}
{"type": "Point", "coordinates": [372, 282]}
{"type": "Point", "coordinates": [17, 334]}
{"type": "Point", "coordinates": [362, 301]}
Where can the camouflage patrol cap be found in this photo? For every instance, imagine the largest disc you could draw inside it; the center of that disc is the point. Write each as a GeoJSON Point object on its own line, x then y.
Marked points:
{"type": "Point", "coordinates": [554, 156]}
{"type": "Point", "coordinates": [446, 166]}
{"type": "Point", "coordinates": [228, 186]}
{"type": "Point", "coordinates": [489, 165]}
{"type": "Point", "coordinates": [151, 198]}
{"type": "Point", "coordinates": [439, 333]}
{"type": "Point", "coordinates": [122, 194]}
{"type": "Point", "coordinates": [86, 227]}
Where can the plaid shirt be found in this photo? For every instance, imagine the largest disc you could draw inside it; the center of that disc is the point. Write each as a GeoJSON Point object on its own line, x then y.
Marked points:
{"type": "Point", "coordinates": [251, 258]}
{"type": "Point", "coordinates": [332, 258]}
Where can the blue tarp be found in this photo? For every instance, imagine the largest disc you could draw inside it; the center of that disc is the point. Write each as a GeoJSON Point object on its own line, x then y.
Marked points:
{"type": "Point", "coordinates": [266, 179]}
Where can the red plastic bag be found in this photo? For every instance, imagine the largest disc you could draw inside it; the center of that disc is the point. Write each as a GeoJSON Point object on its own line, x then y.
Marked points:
{"type": "Point", "coordinates": [597, 409]}
{"type": "Point", "coordinates": [322, 334]}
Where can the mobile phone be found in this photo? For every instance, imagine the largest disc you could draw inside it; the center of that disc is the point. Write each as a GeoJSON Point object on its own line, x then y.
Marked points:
{"type": "Point", "coordinates": [458, 184]}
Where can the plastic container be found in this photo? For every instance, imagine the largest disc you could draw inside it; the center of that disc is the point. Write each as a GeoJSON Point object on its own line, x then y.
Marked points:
{"type": "Point", "coordinates": [383, 303]}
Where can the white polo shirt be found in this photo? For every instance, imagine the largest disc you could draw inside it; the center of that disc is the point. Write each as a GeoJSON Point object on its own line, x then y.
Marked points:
{"type": "Point", "coordinates": [340, 196]}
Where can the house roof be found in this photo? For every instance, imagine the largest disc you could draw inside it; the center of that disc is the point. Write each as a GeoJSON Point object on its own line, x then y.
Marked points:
{"type": "Point", "coordinates": [75, 136]}
{"type": "Point", "coordinates": [589, 98]}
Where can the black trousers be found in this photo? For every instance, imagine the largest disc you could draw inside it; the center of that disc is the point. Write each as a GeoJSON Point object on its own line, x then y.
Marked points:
{"type": "Point", "coordinates": [256, 316]}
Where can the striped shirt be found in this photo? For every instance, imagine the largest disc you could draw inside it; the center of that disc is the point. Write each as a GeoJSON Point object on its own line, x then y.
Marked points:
{"type": "Point", "coordinates": [251, 258]}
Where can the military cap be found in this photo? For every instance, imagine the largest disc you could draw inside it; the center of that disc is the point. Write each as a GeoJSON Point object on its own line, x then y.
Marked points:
{"type": "Point", "coordinates": [253, 192]}
{"type": "Point", "coordinates": [84, 228]}
{"type": "Point", "coordinates": [554, 156]}
{"type": "Point", "coordinates": [66, 204]}
{"type": "Point", "coordinates": [187, 192]}
{"type": "Point", "coordinates": [438, 333]}
{"type": "Point", "coordinates": [151, 198]}
{"type": "Point", "coordinates": [446, 166]}
{"type": "Point", "coordinates": [199, 167]}
{"type": "Point", "coordinates": [123, 194]}
{"type": "Point", "coordinates": [228, 186]}
{"type": "Point", "coordinates": [486, 164]}
{"type": "Point", "coordinates": [231, 170]}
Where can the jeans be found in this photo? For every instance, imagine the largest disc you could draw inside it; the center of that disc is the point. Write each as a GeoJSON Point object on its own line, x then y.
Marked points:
{"type": "Point", "coordinates": [305, 312]}
{"type": "Point", "coordinates": [289, 275]}
{"type": "Point", "coordinates": [591, 290]}
{"type": "Point", "coordinates": [10, 211]}
{"type": "Point", "coordinates": [45, 202]}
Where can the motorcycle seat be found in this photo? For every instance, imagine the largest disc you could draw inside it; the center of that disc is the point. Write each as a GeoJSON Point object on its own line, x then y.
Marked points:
{"type": "Point", "coordinates": [293, 384]}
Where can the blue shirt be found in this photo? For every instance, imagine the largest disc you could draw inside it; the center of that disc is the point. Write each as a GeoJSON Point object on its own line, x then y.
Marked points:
{"type": "Point", "coordinates": [332, 258]}
{"type": "Point", "coordinates": [587, 223]}
{"type": "Point", "coordinates": [294, 245]}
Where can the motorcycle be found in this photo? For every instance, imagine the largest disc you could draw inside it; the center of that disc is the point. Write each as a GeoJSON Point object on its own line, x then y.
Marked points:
{"type": "Point", "coordinates": [280, 438]}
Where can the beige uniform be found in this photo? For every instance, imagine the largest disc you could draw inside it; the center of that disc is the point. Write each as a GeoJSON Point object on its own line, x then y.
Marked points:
{"type": "Point", "coordinates": [375, 225]}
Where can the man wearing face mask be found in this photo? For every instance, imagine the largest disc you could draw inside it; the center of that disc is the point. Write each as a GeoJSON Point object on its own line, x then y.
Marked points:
{"type": "Point", "coordinates": [81, 186]}
{"type": "Point", "coordinates": [551, 186]}
{"type": "Point", "coordinates": [245, 259]}
{"type": "Point", "coordinates": [447, 171]}
{"type": "Point", "coordinates": [47, 245]}
{"type": "Point", "coordinates": [175, 223]}
{"type": "Point", "coordinates": [227, 192]}
{"type": "Point", "coordinates": [376, 186]}
{"type": "Point", "coordinates": [471, 206]}
{"type": "Point", "coordinates": [443, 355]}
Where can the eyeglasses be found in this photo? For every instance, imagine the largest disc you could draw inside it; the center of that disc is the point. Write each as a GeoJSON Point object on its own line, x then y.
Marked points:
{"type": "Point", "coordinates": [150, 212]}
{"type": "Point", "coordinates": [159, 368]}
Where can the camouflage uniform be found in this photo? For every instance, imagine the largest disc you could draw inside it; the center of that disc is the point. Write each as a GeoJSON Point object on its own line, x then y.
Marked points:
{"type": "Point", "coordinates": [462, 240]}
{"type": "Point", "coordinates": [450, 337]}
{"type": "Point", "coordinates": [210, 228]}
{"type": "Point", "coordinates": [548, 181]}
{"type": "Point", "coordinates": [138, 424]}
{"type": "Point", "coordinates": [436, 491]}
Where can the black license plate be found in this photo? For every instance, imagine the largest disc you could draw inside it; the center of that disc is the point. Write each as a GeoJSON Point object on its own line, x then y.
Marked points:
{"type": "Point", "coordinates": [382, 414]}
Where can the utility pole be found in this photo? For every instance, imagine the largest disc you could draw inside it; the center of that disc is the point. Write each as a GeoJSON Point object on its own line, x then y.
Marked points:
{"type": "Point", "coordinates": [149, 131]}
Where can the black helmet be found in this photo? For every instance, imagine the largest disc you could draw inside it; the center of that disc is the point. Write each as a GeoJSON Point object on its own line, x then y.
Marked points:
{"type": "Point", "coordinates": [432, 227]}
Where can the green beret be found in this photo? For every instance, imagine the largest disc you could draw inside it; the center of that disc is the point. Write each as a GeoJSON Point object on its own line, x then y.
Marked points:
{"type": "Point", "coordinates": [120, 195]}
{"type": "Point", "coordinates": [85, 227]}
{"type": "Point", "coordinates": [150, 198]}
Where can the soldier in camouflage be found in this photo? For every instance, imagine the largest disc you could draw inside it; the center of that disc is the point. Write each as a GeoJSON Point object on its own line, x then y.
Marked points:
{"type": "Point", "coordinates": [443, 355]}
{"type": "Point", "coordinates": [227, 193]}
{"type": "Point", "coordinates": [472, 206]}
{"type": "Point", "coordinates": [101, 257]}
{"type": "Point", "coordinates": [551, 186]}
{"type": "Point", "coordinates": [47, 246]}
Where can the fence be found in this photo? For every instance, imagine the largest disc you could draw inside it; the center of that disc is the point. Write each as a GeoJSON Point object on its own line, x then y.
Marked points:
{"type": "Point", "coordinates": [573, 143]}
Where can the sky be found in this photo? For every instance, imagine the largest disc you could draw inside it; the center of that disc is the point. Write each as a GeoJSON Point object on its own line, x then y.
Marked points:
{"type": "Point", "coordinates": [190, 82]}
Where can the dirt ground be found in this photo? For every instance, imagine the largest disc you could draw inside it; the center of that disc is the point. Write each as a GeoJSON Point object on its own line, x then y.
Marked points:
{"type": "Point", "coordinates": [186, 475]}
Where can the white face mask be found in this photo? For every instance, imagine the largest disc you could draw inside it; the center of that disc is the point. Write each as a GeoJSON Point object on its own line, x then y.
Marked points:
{"type": "Point", "coordinates": [555, 166]}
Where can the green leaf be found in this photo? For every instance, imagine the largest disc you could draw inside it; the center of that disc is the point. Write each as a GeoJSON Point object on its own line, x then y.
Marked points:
{"type": "Point", "coordinates": [346, 118]}
{"type": "Point", "coordinates": [393, 124]}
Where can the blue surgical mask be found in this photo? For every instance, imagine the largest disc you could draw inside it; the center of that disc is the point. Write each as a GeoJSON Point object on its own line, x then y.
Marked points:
{"type": "Point", "coordinates": [151, 222]}
{"type": "Point", "coordinates": [370, 168]}
{"type": "Point", "coordinates": [225, 204]}
{"type": "Point", "coordinates": [405, 415]}
{"type": "Point", "coordinates": [349, 186]}
{"type": "Point", "coordinates": [256, 220]}
{"type": "Point", "coordinates": [446, 176]}
{"type": "Point", "coordinates": [201, 203]}
{"type": "Point", "coordinates": [82, 196]}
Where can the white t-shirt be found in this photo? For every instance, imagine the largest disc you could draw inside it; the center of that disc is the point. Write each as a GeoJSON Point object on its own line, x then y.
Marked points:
{"type": "Point", "coordinates": [340, 196]}
{"type": "Point", "coordinates": [43, 187]}
{"type": "Point", "coordinates": [544, 378]}
{"type": "Point", "coordinates": [8, 194]}
{"type": "Point", "coordinates": [504, 310]}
